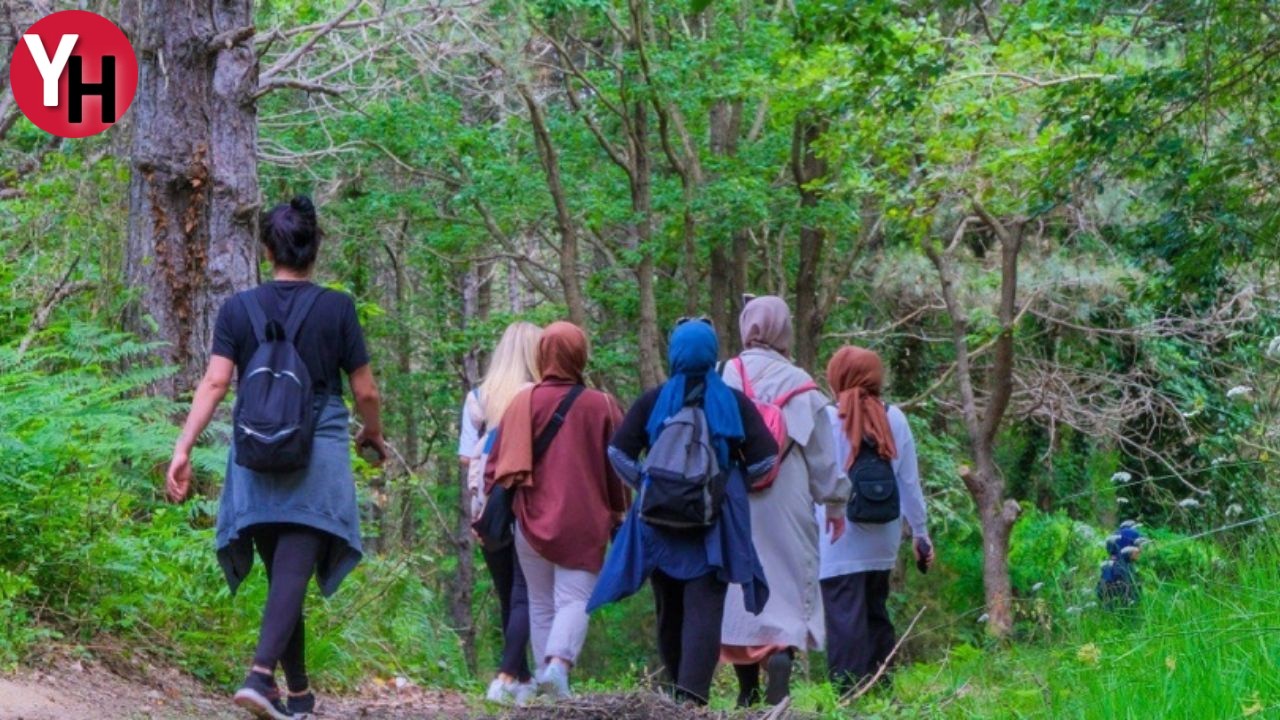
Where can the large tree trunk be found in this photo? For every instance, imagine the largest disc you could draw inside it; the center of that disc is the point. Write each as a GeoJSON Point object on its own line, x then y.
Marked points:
{"type": "Point", "coordinates": [193, 192]}
{"type": "Point", "coordinates": [807, 167]}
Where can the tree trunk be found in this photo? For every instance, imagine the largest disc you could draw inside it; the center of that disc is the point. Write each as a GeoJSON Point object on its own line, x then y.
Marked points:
{"type": "Point", "coordinates": [193, 190]}
{"type": "Point", "coordinates": [650, 342]}
{"type": "Point", "coordinates": [474, 303]}
{"type": "Point", "coordinates": [807, 167]}
{"type": "Point", "coordinates": [728, 275]}
{"type": "Point", "coordinates": [997, 517]}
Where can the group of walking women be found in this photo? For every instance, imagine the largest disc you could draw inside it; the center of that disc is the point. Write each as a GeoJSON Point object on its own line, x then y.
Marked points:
{"type": "Point", "coordinates": [774, 571]}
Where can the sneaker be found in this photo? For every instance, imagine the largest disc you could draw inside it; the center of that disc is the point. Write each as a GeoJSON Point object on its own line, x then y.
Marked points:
{"type": "Point", "coordinates": [525, 692]}
{"type": "Point", "coordinates": [501, 692]}
{"type": "Point", "coordinates": [554, 682]}
{"type": "Point", "coordinates": [301, 706]}
{"type": "Point", "coordinates": [260, 696]}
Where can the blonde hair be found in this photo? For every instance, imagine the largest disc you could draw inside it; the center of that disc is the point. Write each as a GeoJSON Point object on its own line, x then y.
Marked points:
{"type": "Point", "coordinates": [514, 364]}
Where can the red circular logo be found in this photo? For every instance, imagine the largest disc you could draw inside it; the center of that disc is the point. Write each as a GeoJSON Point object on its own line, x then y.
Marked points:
{"type": "Point", "coordinates": [73, 73]}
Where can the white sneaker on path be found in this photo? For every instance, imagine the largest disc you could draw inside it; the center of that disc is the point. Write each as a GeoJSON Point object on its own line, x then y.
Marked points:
{"type": "Point", "coordinates": [554, 682]}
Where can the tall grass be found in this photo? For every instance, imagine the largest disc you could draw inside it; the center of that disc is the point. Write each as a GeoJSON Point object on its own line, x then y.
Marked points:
{"type": "Point", "coordinates": [1200, 646]}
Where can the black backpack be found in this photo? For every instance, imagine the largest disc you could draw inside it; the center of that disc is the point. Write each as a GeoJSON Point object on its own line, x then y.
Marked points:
{"type": "Point", "coordinates": [274, 416]}
{"type": "Point", "coordinates": [875, 488]}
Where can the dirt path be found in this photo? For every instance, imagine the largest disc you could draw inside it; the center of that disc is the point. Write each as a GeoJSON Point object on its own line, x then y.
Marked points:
{"type": "Point", "coordinates": [75, 690]}
{"type": "Point", "coordinates": [69, 689]}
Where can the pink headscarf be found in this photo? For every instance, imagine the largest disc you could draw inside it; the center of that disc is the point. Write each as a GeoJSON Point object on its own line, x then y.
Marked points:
{"type": "Point", "coordinates": [766, 321]}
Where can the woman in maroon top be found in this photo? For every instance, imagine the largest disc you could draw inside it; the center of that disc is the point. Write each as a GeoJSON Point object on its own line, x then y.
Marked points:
{"type": "Point", "coordinates": [567, 501]}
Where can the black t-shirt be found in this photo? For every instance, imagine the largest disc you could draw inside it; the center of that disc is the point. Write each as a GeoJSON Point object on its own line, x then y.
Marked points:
{"type": "Point", "coordinates": [329, 339]}
{"type": "Point", "coordinates": [757, 444]}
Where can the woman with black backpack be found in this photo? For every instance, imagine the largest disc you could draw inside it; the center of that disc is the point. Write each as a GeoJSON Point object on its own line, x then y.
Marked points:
{"type": "Point", "coordinates": [690, 567]}
{"type": "Point", "coordinates": [288, 490]}
{"type": "Point", "coordinates": [873, 440]}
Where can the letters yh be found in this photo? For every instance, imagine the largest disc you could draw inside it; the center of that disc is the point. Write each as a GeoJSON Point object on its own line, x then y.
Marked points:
{"type": "Point", "coordinates": [77, 88]}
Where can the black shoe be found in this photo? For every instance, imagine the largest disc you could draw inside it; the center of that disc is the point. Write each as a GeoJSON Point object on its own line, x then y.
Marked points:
{"type": "Point", "coordinates": [301, 705]}
{"type": "Point", "coordinates": [260, 696]}
{"type": "Point", "coordinates": [779, 669]}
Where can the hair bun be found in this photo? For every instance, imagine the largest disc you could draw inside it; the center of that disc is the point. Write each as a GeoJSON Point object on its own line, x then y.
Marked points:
{"type": "Point", "coordinates": [303, 204]}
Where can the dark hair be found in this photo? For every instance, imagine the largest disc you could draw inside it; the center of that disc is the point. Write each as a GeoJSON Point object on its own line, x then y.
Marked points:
{"type": "Point", "coordinates": [290, 231]}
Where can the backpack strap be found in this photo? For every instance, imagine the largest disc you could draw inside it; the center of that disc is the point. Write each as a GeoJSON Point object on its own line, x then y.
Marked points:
{"type": "Point", "coordinates": [786, 397]}
{"type": "Point", "coordinates": [557, 421]}
{"type": "Point", "coordinates": [257, 318]}
{"type": "Point", "coordinates": [746, 381]}
{"type": "Point", "coordinates": [301, 309]}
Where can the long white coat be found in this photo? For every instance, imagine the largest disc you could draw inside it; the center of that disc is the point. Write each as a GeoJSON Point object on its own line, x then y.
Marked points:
{"type": "Point", "coordinates": [782, 516]}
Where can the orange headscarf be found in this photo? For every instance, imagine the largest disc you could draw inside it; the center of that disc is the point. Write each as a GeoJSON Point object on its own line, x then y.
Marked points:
{"type": "Point", "coordinates": [856, 376]}
{"type": "Point", "coordinates": [562, 356]}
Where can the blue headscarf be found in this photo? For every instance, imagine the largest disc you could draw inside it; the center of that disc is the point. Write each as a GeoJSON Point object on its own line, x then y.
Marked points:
{"type": "Point", "coordinates": [693, 352]}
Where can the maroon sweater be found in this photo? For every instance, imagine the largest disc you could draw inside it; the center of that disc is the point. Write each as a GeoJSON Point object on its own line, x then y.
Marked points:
{"type": "Point", "coordinates": [575, 500]}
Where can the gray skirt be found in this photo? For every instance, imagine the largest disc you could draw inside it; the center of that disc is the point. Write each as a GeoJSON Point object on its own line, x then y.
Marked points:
{"type": "Point", "coordinates": [323, 497]}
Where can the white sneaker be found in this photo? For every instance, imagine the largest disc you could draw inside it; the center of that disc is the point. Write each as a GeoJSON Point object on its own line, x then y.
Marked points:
{"type": "Point", "coordinates": [554, 682]}
{"type": "Point", "coordinates": [501, 692]}
{"type": "Point", "coordinates": [524, 693]}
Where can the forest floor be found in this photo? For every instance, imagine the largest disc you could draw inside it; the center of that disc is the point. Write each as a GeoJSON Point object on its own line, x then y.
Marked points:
{"type": "Point", "coordinates": [69, 689]}
{"type": "Point", "coordinates": [64, 688]}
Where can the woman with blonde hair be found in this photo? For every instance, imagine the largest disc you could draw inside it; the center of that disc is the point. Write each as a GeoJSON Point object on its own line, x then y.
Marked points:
{"type": "Point", "coordinates": [512, 368]}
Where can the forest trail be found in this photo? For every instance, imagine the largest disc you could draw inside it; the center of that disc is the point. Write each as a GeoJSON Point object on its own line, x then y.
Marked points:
{"type": "Point", "coordinates": [75, 690]}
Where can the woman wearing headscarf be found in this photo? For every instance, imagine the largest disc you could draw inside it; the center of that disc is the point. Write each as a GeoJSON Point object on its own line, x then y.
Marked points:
{"type": "Point", "coordinates": [568, 500]}
{"type": "Point", "coordinates": [782, 514]}
{"type": "Point", "coordinates": [691, 570]}
{"type": "Point", "coordinates": [512, 368]}
{"type": "Point", "coordinates": [855, 568]}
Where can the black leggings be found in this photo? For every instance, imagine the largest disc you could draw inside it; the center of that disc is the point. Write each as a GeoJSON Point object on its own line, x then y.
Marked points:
{"type": "Point", "coordinates": [689, 617]}
{"type": "Point", "coordinates": [513, 598]}
{"type": "Point", "coordinates": [290, 554]}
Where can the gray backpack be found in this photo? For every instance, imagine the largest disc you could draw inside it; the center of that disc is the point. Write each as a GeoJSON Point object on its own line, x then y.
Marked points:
{"type": "Point", "coordinates": [682, 484]}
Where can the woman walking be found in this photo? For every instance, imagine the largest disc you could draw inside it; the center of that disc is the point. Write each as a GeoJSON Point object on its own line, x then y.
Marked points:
{"type": "Point", "coordinates": [303, 521]}
{"type": "Point", "coordinates": [782, 514]}
{"type": "Point", "coordinates": [513, 368]}
{"type": "Point", "coordinates": [855, 568]}
{"type": "Point", "coordinates": [691, 570]}
{"type": "Point", "coordinates": [551, 451]}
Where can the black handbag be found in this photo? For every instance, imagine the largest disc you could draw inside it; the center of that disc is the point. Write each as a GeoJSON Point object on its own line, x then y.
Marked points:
{"type": "Point", "coordinates": [496, 524]}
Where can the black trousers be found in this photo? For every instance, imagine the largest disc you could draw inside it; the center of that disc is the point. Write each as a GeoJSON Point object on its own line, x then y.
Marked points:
{"type": "Point", "coordinates": [290, 554]}
{"type": "Point", "coordinates": [859, 633]}
{"type": "Point", "coordinates": [513, 599]}
{"type": "Point", "coordinates": [689, 617]}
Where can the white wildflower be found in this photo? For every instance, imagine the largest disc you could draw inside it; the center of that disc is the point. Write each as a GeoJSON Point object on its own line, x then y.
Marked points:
{"type": "Point", "coordinates": [1193, 413]}
{"type": "Point", "coordinates": [1122, 501]}
{"type": "Point", "coordinates": [1037, 587]}
{"type": "Point", "coordinates": [1238, 391]}
{"type": "Point", "coordinates": [1090, 604]}
{"type": "Point", "coordinates": [1189, 503]}
{"type": "Point", "coordinates": [984, 617]}
{"type": "Point", "coordinates": [1073, 610]}
{"type": "Point", "coordinates": [1234, 509]}
{"type": "Point", "coordinates": [1121, 477]}
{"type": "Point", "coordinates": [1273, 350]}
